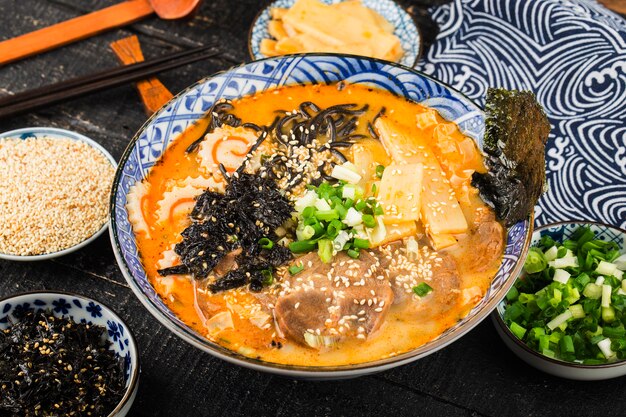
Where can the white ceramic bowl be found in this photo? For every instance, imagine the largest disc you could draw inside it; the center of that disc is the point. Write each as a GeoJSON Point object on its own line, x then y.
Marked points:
{"type": "Point", "coordinates": [79, 308]}
{"type": "Point", "coordinates": [52, 132]}
{"type": "Point", "coordinates": [569, 370]}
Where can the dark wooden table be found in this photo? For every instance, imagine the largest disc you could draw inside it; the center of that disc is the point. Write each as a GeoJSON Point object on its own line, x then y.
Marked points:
{"type": "Point", "coordinates": [475, 376]}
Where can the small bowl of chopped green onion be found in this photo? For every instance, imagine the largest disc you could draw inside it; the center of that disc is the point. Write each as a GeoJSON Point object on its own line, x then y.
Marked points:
{"type": "Point", "coordinates": [566, 313]}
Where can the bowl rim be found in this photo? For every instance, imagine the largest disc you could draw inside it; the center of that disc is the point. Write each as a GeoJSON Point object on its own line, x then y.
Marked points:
{"type": "Point", "coordinates": [499, 321]}
{"type": "Point", "coordinates": [347, 370]}
{"type": "Point", "coordinates": [420, 39]}
{"type": "Point", "coordinates": [67, 134]}
{"type": "Point", "coordinates": [134, 376]}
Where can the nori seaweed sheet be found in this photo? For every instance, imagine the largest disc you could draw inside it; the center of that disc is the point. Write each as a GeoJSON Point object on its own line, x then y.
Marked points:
{"type": "Point", "coordinates": [251, 208]}
{"type": "Point", "coordinates": [516, 132]}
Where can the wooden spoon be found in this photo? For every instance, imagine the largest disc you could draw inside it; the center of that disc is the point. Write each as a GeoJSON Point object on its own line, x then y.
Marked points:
{"type": "Point", "coordinates": [90, 24]}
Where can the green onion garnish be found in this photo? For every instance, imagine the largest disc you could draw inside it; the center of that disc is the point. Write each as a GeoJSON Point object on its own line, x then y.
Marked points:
{"type": "Point", "coordinates": [572, 298]}
{"type": "Point", "coordinates": [361, 243]}
{"type": "Point", "coordinates": [302, 246]}
{"type": "Point", "coordinates": [379, 171]}
{"type": "Point", "coordinates": [296, 268]}
{"type": "Point", "coordinates": [266, 243]}
{"type": "Point", "coordinates": [268, 277]}
{"type": "Point", "coordinates": [325, 250]}
{"type": "Point", "coordinates": [422, 289]}
{"type": "Point", "coordinates": [369, 221]}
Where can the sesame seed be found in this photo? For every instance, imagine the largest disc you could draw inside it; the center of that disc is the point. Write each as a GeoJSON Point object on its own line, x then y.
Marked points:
{"type": "Point", "coordinates": [61, 187]}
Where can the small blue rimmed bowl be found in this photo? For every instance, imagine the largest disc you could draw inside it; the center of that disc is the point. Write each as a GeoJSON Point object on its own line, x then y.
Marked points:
{"type": "Point", "coordinates": [55, 133]}
{"type": "Point", "coordinates": [570, 370]}
{"type": "Point", "coordinates": [82, 309]}
{"type": "Point", "coordinates": [404, 27]}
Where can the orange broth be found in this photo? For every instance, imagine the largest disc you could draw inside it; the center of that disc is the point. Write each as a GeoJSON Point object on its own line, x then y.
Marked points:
{"type": "Point", "coordinates": [400, 332]}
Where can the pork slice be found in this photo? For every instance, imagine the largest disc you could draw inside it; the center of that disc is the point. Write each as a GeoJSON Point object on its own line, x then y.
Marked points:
{"type": "Point", "coordinates": [437, 269]}
{"type": "Point", "coordinates": [326, 303]}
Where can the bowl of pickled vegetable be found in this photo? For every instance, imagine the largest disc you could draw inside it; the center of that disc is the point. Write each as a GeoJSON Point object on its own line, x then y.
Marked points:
{"type": "Point", "coordinates": [566, 313]}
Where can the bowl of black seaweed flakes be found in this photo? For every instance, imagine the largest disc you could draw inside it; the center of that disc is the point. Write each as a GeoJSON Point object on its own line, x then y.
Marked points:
{"type": "Point", "coordinates": [64, 354]}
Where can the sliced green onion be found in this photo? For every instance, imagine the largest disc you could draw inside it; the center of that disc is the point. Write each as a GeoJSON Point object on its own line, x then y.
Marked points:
{"type": "Point", "coordinates": [353, 253]}
{"type": "Point", "coordinates": [353, 217]}
{"type": "Point", "coordinates": [266, 243]}
{"type": "Point", "coordinates": [422, 289]}
{"type": "Point", "coordinates": [325, 250]}
{"type": "Point", "coordinates": [577, 311]}
{"type": "Point", "coordinates": [606, 295]}
{"type": "Point", "coordinates": [369, 221]}
{"type": "Point", "coordinates": [349, 191]}
{"type": "Point", "coordinates": [343, 172]}
{"type": "Point", "coordinates": [340, 241]}
{"type": "Point", "coordinates": [551, 253]}
{"type": "Point", "coordinates": [512, 294]}
{"type": "Point", "coordinates": [606, 268]}
{"type": "Point", "coordinates": [322, 205]}
{"type": "Point", "coordinates": [605, 347]}
{"type": "Point", "coordinates": [309, 212]}
{"type": "Point", "coordinates": [296, 268]}
{"type": "Point", "coordinates": [608, 314]}
{"type": "Point", "coordinates": [334, 227]}
{"type": "Point", "coordinates": [361, 243]}
{"type": "Point", "coordinates": [570, 262]}
{"type": "Point", "coordinates": [517, 330]}
{"type": "Point", "coordinates": [566, 344]}
{"type": "Point", "coordinates": [327, 215]}
{"type": "Point", "coordinates": [614, 332]}
{"type": "Point", "coordinates": [560, 319]}
{"type": "Point", "coordinates": [592, 291]}
{"type": "Point", "coordinates": [379, 171]}
{"type": "Point", "coordinates": [561, 275]}
{"type": "Point", "coordinates": [306, 233]}
{"type": "Point", "coordinates": [535, 261]}
{"type": "Point", "coordinates": [302, 246]}
{"type": "Point", "coordinates": [268, 278]}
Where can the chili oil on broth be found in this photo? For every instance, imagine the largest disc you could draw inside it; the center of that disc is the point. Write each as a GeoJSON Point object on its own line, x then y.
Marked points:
{"type": "Point", "coordinates": [402, 330]}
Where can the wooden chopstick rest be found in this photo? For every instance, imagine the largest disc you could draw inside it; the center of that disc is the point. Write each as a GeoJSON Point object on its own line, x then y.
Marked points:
{"type": "Point", "coordinates": [152, 91]}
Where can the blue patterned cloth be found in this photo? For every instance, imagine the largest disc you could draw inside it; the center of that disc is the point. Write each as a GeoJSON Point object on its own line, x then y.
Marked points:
{"type": "Point", "coordinates": [572, 54]}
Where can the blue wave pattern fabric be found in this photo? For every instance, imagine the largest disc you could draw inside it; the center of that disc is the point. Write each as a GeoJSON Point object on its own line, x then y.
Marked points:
{"type": "Point", "coordinates": [572, 54]}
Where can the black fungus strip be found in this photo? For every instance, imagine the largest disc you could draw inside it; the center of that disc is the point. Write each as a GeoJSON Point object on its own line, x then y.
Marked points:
{"type": "Point", "coordinates": [218, 116]}
{"type": "Point", "coordinates": [224, 173]}
{"type": "Point", "coordinates": [372, 131]}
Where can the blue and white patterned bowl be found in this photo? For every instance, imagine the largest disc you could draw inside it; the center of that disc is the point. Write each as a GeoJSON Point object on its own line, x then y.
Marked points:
{"type": "Point", "coordinates": [405, 28]}
{"type": "Point", "coordinates": [55, 133]}
{"type": "Point", "coordinates": [188, 106]}
{"type": "Point", "coordinates": [560, 232]}
{"type": "Point", "coordinates": [82, 310]}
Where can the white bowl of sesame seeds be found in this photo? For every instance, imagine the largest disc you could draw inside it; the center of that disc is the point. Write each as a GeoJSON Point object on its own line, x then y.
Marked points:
{"type": "Point", "coordinates": [54, 192]}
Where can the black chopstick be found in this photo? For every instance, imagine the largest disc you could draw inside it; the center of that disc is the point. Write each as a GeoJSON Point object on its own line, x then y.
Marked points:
{"type": "Point", "coordinates": [76, 87]}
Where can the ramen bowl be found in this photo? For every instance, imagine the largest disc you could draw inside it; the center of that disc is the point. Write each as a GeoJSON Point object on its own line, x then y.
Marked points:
{"type": "Point", "coordinates": [191, 104]}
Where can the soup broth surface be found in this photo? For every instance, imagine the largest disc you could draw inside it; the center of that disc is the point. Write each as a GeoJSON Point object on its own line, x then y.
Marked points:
{"type": "Point", "coordinates": [404, 327]}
